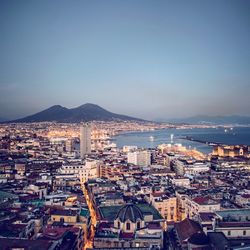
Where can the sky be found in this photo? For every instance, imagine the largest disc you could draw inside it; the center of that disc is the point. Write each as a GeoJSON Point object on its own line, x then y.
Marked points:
{"type": "Point", "coordinates": [150, 59]}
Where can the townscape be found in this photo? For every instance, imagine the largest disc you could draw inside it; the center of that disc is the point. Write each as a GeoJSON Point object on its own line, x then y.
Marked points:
{"type": "Point", "coordinates": [68, 186]}
{"type": "Point", "coordinates": [124, 125]}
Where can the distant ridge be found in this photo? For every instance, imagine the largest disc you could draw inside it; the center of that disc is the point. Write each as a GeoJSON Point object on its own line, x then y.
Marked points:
{"type": "Point", "coordinates": [3, 119]}
{"type": "Point", "coordinates": [83, 113]}
{"type": "Point", "coordinates": [204, 119]}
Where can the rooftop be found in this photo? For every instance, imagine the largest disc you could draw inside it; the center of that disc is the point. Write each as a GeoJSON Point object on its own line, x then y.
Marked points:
{"type": "Point", "coordinates": [7, 244]}
{"type": "Point", "coordinates": [64, 212]}
{"type": "Point", "coordinates": [129, 212]}
{"type": "Point", "coordinates": [234, 212]}
{"type": "Point", "coordinates": [109, 213]}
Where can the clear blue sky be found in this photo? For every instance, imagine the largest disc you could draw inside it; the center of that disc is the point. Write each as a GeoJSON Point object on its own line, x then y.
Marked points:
{"type": "Point", "coordinates": [150, 59]}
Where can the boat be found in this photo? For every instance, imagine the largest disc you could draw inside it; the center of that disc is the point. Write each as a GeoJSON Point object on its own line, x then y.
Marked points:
{"type": "Point", "coordinates": [151, 138]}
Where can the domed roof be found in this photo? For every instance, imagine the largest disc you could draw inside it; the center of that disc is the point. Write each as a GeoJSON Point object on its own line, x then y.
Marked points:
{"type": "Point", "coordinates": [129, 212]}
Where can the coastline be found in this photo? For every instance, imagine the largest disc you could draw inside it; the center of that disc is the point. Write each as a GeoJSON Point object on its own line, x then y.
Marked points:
{"type": "Point", "coordinates": [145, 143]}
{"type": "Point", "coordinates": [210, 143]}
{"type": "Point", "coordinates": [201, 139]}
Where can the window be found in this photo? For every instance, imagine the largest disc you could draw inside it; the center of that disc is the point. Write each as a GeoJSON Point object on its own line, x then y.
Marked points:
{"type": "Point", "coordinates": [228, 233]}
{"type": "Point", "coordinates": [244, 232]}
{"type": "Point", "coordinates": [138, 225]}
{"type": "Point", "coordinates": [118, 224]}
{"type": "Point", "coordinates": [128, 226]}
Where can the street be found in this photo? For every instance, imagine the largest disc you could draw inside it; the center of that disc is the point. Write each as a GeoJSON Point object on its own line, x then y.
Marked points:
{"type": "Point", "coordinates": [91, 233]}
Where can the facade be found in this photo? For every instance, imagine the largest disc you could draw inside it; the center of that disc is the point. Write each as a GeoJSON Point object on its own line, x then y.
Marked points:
{"type": "Point", "coordinates": [167, 206]}
{"type": "Point", "coordinates": [91, 170]}
{"type": "Point", "coordinates": [141, 158]}
{"type": "Point", "coordinates": [181, 182]}
{"type": "Point", "coordinates": [71, 169]}
{"type": "Point", "coordinates": [69, 145]}
{"type": "Point", "coordinates": [230, 151]}
{"type": "Point", "coordinates": [83, 171]}
{"type": "Point", "coordinates": [191, 167]}
{"type": "Point", "coordinates": [200, 204]}
{"type": "Point", "coordinates": [64, 216]}
{"type": "Point", "coordinates": [188, 207]}
{"type": "Point", "coordinates": [233, 223]}
{"type": "Point", "coordinates": [85, 140]}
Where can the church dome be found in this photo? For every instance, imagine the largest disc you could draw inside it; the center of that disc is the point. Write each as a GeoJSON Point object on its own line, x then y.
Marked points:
{"type": "Point", "coordinates": [129, 212]}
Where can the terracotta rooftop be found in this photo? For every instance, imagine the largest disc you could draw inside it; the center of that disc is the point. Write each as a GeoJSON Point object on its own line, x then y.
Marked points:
{"type": "Point", "coordinates": [186, 228]}
{"type": "Point", "coordinates": [204, 201]}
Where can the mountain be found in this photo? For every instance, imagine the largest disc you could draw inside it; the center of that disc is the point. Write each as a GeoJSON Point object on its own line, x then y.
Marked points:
{"type": "Point", "coordinates": [83, 113]}
{"type": "Point", "coordinates": [203, 119]}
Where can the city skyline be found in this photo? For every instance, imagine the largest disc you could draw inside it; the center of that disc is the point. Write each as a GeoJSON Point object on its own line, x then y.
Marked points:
{"type": "Point", "coordinates": [138, 58]}
{"type": "Point", "coordinates": [124, 125]}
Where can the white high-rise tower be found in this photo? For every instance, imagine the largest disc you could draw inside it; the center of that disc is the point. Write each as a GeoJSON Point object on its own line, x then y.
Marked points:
{"type": "Point", "coordinates": [85, 139]}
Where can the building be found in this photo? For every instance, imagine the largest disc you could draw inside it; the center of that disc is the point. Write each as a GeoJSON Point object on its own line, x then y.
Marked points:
{"type": "Point", "coordinates": [166, 205]}
{"type": "Point", "coordinates": [233, 223]}
{"type": "Point", "coordinates": [69, 146]}
{"type": "Point", "coordinates": [181, 182]}
{"type": "Point", "coordinates": [127, 149]}
{"type": "Point", "coordinates": [65, 216]}
{"type": "Point", "coordinates": [188, 234]}
{"type": "Point", "coordinates": [15, 243]}
{"type": "Point", "coordinates": [85, 140]}
{"type": "Point", "coordinates": [190, 167]}
{"type": "Point", "coordinates": [90, 170]}
{"type": "Point", "coordinates": [39, 189]}
{"type": "Point", "coordinates": [131, 228]}
{"type": "Point", "coordinates": [230, 151]}
{"type": "Point", "coordinates": [200, 204]}
{"type": "Point", "coordinates": [141, 158]}
{"type": "Point", "coordinates": [243, 200]}
{"type": "Point", "coordinates": [71, 168]}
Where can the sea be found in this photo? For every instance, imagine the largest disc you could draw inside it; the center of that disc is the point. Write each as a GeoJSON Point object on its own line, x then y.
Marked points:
{"type": "Point", "coordinates": [151, 139]}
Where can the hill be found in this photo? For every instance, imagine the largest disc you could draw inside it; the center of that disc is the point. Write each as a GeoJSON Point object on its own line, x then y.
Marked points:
{"type": "Point", "coordinates": [202, 119]}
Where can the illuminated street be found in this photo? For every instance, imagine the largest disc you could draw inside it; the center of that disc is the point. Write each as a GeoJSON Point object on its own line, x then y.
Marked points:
{"type": "Point", "coordinates": [91, 233]}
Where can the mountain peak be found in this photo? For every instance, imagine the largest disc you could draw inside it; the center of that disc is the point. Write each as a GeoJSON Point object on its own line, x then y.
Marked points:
{"type": "Point", "coordinates": [89, 105]}
{"type": "Point", "coordinates": [83, 113]}
{"type": "Point", "coordinates": [56, 107]}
